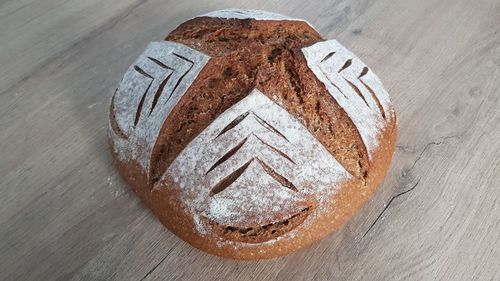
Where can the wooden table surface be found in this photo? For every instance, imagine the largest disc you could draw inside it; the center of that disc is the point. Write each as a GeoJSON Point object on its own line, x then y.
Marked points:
{"type": "Point", "coordinates": [65, 214]}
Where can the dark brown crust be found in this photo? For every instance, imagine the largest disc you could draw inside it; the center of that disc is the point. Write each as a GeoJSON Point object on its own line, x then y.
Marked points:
{"type": "Point", "coordinates": [272, 61]}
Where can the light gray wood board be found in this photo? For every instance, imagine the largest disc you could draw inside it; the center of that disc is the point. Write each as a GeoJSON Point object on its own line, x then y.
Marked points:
{"type": "Point", "coordinates": [65, 213]}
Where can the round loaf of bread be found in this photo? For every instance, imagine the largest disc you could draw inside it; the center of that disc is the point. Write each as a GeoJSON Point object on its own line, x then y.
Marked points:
{"type": "Point", "coordinates": [250, 136]}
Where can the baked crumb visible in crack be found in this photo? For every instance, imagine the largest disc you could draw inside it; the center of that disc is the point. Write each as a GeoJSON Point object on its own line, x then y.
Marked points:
{"type": "Point", "coordinates": [258, 234]}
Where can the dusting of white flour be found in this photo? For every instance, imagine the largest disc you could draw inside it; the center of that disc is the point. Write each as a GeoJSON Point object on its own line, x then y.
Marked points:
{"type": "Point", "coordinates": [255, 164]}
{"type": "Point", "coordinates": [343, 74]}
{"type": "Point", "coordinates": [249, 14]}
{"type": "Point", "coordinates": [151, 87]}
{"type": "Point", "coordinates": [267, 137]}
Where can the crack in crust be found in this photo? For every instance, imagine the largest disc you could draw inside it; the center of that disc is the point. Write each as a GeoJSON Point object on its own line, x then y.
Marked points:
{"type": "Point", "coordinates": [261, 233]}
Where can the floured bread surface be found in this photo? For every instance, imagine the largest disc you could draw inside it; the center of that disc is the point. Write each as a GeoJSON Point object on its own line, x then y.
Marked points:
{"type": "Point", "coordinates": [260, 134]}
{"type": "Point", "coordinates": [249, 14]}
{"type": "Point", "coordinates": [354, 86]}
{"type": "Point", "coordinates": [150, 89]}
{"type": "Point", "coordinates": [253, 166]}
{"type": "Point", "coordinates": [246, 14]}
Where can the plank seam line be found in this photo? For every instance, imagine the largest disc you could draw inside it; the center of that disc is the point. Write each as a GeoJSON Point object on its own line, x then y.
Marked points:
{"type": "Point", "coordinates": [389, 204]}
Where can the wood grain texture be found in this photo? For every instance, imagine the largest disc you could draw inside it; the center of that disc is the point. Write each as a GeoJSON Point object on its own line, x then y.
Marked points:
{"type": "Point", "coordinates": [66, 215]}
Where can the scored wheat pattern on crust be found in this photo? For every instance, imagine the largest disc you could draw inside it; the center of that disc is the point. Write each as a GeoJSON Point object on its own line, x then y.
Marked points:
{"type": "Point", "coordinates": [354, 86]}
{"type": "Point", "coordinates": [253, 165]}
{"type": "Point", "coordinates": [261, 148]}
{"type": "Point", "coordinates": [149, 90]}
